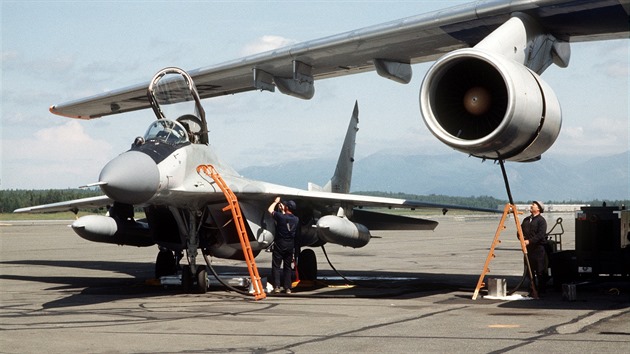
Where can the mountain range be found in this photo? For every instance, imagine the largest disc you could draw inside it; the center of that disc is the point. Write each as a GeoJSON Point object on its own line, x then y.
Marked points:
{"type": "Point", "coordinates": [454, 174]}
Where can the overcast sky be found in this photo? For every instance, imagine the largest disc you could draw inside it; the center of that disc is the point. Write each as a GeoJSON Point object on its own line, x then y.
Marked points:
{"type": "Point", "coordinates": [54, 52]}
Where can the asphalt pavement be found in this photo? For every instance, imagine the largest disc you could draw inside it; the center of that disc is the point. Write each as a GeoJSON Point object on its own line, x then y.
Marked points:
{"type": "Point", "coordinates": [404, 292]}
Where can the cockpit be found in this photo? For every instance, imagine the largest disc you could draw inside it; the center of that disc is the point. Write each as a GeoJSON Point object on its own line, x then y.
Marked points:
{"type": "Point", "coordinates": [180, 117]}
{"type": "Point", "coordinates": [167, 131]}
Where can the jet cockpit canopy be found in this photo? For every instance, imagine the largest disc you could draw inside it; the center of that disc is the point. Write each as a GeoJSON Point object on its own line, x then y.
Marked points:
{"type": "Point", "coordinates": [173, 96]}
{"type": "Point", "coordinates": [167, 131]}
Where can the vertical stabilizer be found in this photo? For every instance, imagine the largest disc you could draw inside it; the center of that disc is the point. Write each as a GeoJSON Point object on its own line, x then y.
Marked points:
{"type": "Point", "coordinates": [340, 181]}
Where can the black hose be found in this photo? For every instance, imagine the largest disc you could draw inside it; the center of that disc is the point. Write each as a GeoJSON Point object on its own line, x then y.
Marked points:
{"type": "Point", "coordinates": [520, 283]}
{"type": "Point", "coordinates": [242, 292]}
{"type": "Point", "coordinates": [333, 267]}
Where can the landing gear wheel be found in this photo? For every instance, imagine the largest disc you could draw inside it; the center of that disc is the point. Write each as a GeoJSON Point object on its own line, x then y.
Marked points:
{"type": "Point", "coordinates": [202, 279]}
{"type": "Point", "coordinates": [307, 265]}
{"type": "Point", "coordinates": [187, 280]}
{"type": "Point", "coordinates": [165, 264]}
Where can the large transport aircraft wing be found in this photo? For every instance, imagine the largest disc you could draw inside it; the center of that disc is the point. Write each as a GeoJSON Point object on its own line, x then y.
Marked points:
{"type": "Point", "coordinates": [388, 48]}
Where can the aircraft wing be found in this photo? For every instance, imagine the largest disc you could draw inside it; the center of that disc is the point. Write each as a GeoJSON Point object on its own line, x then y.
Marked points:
{"type": "Point", "coordinates": [354, 200]}
{"type": "Point", "coordinates": [328, 203]}
{"type": "Point", "coordinates": [388, 48]}
{"type": "Point", "coordinates": [311, 197]}
{"type": "Point", "coordinates": [70, 205]}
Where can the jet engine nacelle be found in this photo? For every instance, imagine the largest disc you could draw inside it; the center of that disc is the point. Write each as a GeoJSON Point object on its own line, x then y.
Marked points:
{"type": "Point", "coordinates": [341, 231]}
{"type": "Point", "coordinates": [489, 106]}
{"type": "Point", "coordinates": [105, 229]}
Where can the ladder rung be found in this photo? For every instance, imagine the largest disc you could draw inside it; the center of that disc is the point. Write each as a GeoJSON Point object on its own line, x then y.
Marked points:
{"type": "Point", "coordinates": [509, 209]}
{"type": "Point", "coordinates": [240, 228]}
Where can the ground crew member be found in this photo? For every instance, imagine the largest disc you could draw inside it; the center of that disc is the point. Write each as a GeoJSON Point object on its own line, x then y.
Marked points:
{"type": "Point", "coordinates": [535, 235]}
{"type": "Point", "coordinates": [287, 226]}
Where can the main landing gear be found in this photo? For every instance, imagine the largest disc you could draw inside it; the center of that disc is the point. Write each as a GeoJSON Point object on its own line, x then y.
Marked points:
{"type": "Point", "coordinates": [307, 265]}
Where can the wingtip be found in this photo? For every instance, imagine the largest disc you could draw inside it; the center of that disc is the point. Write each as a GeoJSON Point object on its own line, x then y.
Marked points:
{"type": "Point", "coordinates": [53, 109]}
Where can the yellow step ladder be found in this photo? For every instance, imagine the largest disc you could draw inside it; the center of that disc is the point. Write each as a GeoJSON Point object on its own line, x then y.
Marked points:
{"type": "Point", "coordinates": [509, 209]}
{"type": "Point", "coordinates": [259, 291]}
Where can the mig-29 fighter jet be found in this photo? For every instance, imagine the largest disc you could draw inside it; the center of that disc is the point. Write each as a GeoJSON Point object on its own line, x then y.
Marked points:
{"type": "Point", "coordinates": [184, 208]}
{"type": "Point", "coordinates": [483, 96]}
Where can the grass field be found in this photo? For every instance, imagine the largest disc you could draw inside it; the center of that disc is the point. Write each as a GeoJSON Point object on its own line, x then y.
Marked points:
{"type": "Point", "coordinates": [46, 216]}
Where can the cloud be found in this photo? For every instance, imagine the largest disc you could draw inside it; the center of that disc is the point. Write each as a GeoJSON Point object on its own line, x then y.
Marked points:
{"type": "Point", "coordinates": [617, 69]}
{"type": "Point", "coordinates": [9, 56]}
{"type": "Point", "coordinates": [71, 132]}
{"type": "Point", "coordinates": [600, 136]}
{"type": "Point", "coordinates": [266, 43]}
{"type": "Point", "coordinates": [614, 64]}
{"type": "Point", "coordinates": [573, 132]}
{"type": "Point", "coordinates": [37, 67]}
{"type": "Point", "coordinates": [61, 157]}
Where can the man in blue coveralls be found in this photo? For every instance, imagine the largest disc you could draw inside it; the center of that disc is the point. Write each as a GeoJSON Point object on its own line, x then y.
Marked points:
{"type": "Point", "coordinates": [287, 225]}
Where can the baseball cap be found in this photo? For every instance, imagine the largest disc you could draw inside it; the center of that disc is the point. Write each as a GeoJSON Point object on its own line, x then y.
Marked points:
{"type": "Point", "coordinates": [289, 204]}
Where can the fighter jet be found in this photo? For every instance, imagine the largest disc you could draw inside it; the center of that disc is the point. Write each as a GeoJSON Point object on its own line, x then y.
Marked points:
{"type": "Point", "coordinates": [165, 173]}
{"type": "Point", "coordinates": [483, 96]}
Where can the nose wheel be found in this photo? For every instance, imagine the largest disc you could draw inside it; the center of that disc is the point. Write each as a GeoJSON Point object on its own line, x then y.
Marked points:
{"type": "Point", "coordinates": [195, 283]}
{"type": "Point", "coordinates": [202, 279]}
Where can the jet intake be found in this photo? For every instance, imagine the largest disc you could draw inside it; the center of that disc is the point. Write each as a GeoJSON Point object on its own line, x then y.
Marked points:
{"type": "Point", "coordinates": [341, 231]}
{"type": "Point", "coordinates": [489, 106]}
{"type": "Point", "coordinates": [104, 229]}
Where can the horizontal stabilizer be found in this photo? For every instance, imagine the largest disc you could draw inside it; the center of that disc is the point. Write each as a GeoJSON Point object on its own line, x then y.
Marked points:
{"type": "Point", "coordinates": [380, 221]}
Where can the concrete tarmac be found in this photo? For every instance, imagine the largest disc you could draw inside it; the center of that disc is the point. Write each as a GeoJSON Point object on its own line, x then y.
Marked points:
{"type": "Point", "coordinates": [405, 292]}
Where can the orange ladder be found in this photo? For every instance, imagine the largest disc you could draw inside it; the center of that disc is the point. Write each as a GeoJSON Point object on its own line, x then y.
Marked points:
{"type": "Point", "coordinates": [509, 209]}
{"type": "Point", "coordinates": [259, 292]}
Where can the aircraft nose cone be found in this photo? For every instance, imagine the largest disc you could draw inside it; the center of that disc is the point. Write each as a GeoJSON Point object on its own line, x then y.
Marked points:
{"type": "Point", "coordinates": [131, 178]}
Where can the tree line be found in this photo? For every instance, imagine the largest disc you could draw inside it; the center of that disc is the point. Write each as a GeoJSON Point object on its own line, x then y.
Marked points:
{"type": "Point", "coordinates": [19, 198]}
{"type": "Point", "coordinates": [487, 201]}
{"type": "Point", "coordinates": [472, 201]}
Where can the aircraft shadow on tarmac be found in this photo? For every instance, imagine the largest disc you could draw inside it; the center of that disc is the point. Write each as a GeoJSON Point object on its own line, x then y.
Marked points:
{"type": "Point", "coordinates": [357, 284]}
{"type": "Point", "coordinates": [113, 288]}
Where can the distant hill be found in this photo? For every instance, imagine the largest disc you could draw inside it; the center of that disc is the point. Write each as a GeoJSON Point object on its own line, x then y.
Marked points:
{"type": "Point", "coordinates": [458, 175]}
